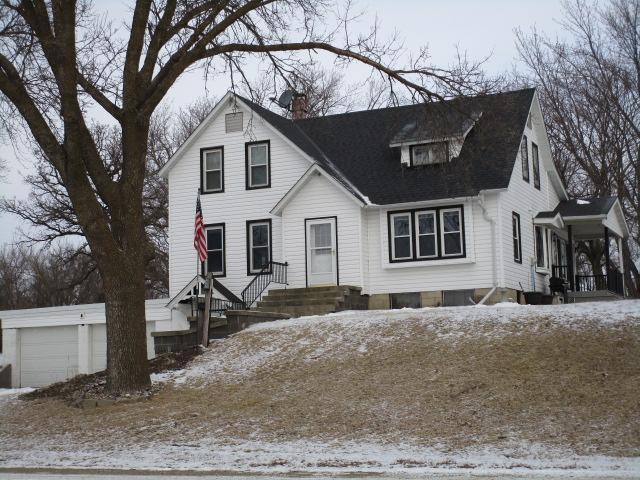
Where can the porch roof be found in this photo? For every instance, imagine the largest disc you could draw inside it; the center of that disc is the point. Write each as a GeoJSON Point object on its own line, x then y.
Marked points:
{"type": "Point", "coordinates": [588, 216]}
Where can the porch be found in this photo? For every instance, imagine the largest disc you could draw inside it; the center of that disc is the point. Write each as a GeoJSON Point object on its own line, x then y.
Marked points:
{"type": "Point", "coordinates": [585, 247]}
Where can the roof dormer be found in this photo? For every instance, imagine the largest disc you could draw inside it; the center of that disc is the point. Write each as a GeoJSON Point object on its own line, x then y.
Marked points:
{"type": "Point", "coordinates": [432, 142]}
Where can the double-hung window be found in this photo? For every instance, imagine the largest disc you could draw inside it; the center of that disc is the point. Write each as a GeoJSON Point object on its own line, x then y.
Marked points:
{"type": "Point", "coordinates": [215, 249]}
{"type": "Point", "coordinates": [451, 221]}
{"type": "Point", "coordinates": [542, 253]}
{"type": "Point", "coordinates": [258, 165]}
{"type": "Point", "coordinates": [212, 170]}
{"type": "Point", "coordinates": [536, 165]}
{"type": "Point", "coordinates": [258, 245]}
{"type": "Point", "coordinates": [401, 236]}
{"type": "Point", "coordinates": [426, 231]}
{"type": "Point", "coordinates": [420, 235]}
{"type": "Point", "coordinates": [517, 240]}
{"type": "Point", "coordinates": [524, 155]}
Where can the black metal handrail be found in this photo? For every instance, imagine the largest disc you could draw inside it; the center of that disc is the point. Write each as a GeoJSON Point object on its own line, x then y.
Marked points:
{"type": "Point", "coordinates": [271, 272]}
{"type": "Point", "coordinates": [219, 306]}
{"type": "Point", "coordinates": [560, 271]}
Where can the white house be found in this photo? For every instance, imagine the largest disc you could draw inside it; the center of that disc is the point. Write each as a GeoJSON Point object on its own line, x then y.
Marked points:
{"type": "Point", "coordinates": [416, 205]}
{"type": "Point", "coordinates": [420, 205]}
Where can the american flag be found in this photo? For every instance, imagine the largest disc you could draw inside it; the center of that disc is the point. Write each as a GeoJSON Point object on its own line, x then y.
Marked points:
{"type": "Point", "coordinates": [199, 238]}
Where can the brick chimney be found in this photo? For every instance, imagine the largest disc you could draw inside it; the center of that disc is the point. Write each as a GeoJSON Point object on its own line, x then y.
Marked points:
{"type": "Point", "coordinates": [299, 106]}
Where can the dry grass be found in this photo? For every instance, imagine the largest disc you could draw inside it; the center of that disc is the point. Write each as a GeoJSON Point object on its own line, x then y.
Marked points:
{"type": "Point", "coordinates": [416, 380]}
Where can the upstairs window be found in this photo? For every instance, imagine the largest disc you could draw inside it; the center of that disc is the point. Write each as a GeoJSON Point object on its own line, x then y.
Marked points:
{"type": "Point", "coordinates": [215, 249]}
{"type": "Point", "coordinates": [212, 170]}
{"type": "Point", "coordinates": [258, 165]}
{"type": "Point", "coordinates": [524, 155]}
{"type": "Point", "coordinates": [258, 245]}
{"type": "Point", "coordinates": [517, 240]}
{"type": "Point", "coordinates": [429, 153]}
{"type": "Point", "coordinates": [536, 165]}
{"type": "Point", "coordinates": [401, 242]}
{"type": "Point", "coordinates": [233, 122]}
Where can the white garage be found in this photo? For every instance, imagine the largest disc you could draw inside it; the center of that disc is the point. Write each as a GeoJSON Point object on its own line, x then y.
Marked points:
{"type": "Point", "coordinates": [47, 345]}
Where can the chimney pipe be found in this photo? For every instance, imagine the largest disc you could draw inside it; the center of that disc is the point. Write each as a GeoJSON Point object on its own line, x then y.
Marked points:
{"type": "Point", "coordinates": [299, 106]}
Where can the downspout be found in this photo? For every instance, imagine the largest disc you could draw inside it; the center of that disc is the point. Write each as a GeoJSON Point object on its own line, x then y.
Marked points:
{"type": "Point", "coordinates": [494, 256]}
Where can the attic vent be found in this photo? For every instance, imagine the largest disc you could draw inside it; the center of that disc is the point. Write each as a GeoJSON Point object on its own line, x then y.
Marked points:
{"type": "Point", "coordinates": [233, 122]}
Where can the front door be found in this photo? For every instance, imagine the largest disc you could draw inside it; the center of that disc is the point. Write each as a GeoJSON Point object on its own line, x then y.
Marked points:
{"type": "Point", "coordinates": [322, 252]}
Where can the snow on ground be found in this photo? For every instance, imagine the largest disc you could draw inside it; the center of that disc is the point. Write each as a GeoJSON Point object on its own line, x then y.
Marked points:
{"type": "Point", "coordinates": [176, 439]}
{"type": "Point", "coordinates": [343, 331]}
{"type": "Point", "coordinates": [14, 391]}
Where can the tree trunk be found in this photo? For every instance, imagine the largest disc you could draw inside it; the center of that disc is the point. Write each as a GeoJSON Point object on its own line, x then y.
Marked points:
{"type": "Point", "coordinates": [127, 364]}
{"type": "Point", "coordinates": [631, 274]}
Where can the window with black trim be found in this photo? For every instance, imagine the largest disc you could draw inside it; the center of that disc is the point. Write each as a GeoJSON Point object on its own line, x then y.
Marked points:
{"type": "Point", "coordinates": [536, 165]}
{"type": "Point", "coordinates": [212, 170]}
{"type": "Point", "coordinates": [517, 240]}
{"type": "Point", "coordinates": [524, 155]}
{"type": "Point", "coordinates": [402, 242]}
{"type": "Point", "coordinates": [420, 235]}
{"type": "Point", "coordinates": [429, 153]}
{"type": "Point", "coordinates": [215, 249]}
{"type": "Point", "coordinates": [258, 165]}
{"type": "Point", "coordinates": [258, 245]}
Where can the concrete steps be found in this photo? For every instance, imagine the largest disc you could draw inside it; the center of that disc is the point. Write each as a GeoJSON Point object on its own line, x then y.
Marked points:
{"type": "Point", "coordinates": [298, 302]}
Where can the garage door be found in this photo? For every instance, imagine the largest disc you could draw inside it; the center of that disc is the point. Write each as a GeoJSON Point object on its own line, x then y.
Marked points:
{"type": "Point", "coordinates": [48, 355]}
{"type": "Point", "coordinates": [98, 348]}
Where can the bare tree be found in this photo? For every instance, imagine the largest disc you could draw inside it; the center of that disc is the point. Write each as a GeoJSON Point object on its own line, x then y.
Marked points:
{"type": "Point", "coordinates": [590, 90]}
{"type": "Point", "coordinates": [59, 60]}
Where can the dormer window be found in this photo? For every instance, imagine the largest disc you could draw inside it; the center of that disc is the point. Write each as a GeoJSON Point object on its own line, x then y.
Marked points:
{"type": "Point", "coordinates": [429, 153]}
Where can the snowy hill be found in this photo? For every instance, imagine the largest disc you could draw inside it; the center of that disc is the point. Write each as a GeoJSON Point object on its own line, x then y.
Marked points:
{"type": "Point", "coordinates": [491, 389]}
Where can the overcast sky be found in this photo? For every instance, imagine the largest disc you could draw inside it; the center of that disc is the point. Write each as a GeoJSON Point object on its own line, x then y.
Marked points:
{"type": "Point", "coordinates": [481, 28]}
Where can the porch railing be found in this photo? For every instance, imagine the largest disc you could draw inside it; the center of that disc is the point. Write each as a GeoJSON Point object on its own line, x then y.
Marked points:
{"type": "Point", "coordinates": [612, 282]}
{"type": "Point", "coordinates": [271, 272]}
{"type": "Point", "coordinates": [560, 271]}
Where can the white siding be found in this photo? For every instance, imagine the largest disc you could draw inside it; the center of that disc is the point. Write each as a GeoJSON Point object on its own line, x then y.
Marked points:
{"type": "Point", "coordinates": [320, 198]}
{"type": "Point", "coordinates": [235, 205]}
{"type": "Point", "coordinates": [526, 200]}
{"type": "Point", "coordinates": [474, 271]}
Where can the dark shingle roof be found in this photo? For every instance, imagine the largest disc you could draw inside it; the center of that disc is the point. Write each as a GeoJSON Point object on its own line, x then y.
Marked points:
{"type": "Point", "coordinates": [355, 146]}
{"type": "Point", "coordinates": [581, 207]}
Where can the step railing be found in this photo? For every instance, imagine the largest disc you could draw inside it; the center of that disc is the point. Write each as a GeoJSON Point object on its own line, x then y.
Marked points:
{"type": "Point", "coordinates": [271, 272]}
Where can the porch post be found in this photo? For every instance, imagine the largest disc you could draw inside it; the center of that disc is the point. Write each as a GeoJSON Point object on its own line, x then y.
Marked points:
{"type": "Point", "coordinates": [570, 250]}
{"type": "Point", "coordinates": [607, 255]}
{"type": "Point", "coordinates": [621, 261]}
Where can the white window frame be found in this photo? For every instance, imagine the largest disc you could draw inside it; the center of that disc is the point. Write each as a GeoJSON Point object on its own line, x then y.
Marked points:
{"type": "Point", "coordinates": [517, 240]}
{"type": "Point", "coordinates": [434, 234]}
{"type": "Point", "coordinates": [267, 165]}
{"type": "Point", "coordinates": [460, 232]}
{"type": "Point", "coordinates": [252, 267]}
{"type": "Point", "coordinates": [412, 148]}
{"type": "Point", "coordinates": [205, 187]}
{"type": "Point", "coordinates": [393, 235]}
{"type": "Point", "coordinates": [209, 250]}
{"type": "Point", "coordinates": [545, 248]}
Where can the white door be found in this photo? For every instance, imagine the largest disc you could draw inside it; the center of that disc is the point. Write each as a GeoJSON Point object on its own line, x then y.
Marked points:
{"type": "Point", "coordinates": [47, 355]}
{"type": "Point", "coordinates": [322, 252]}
